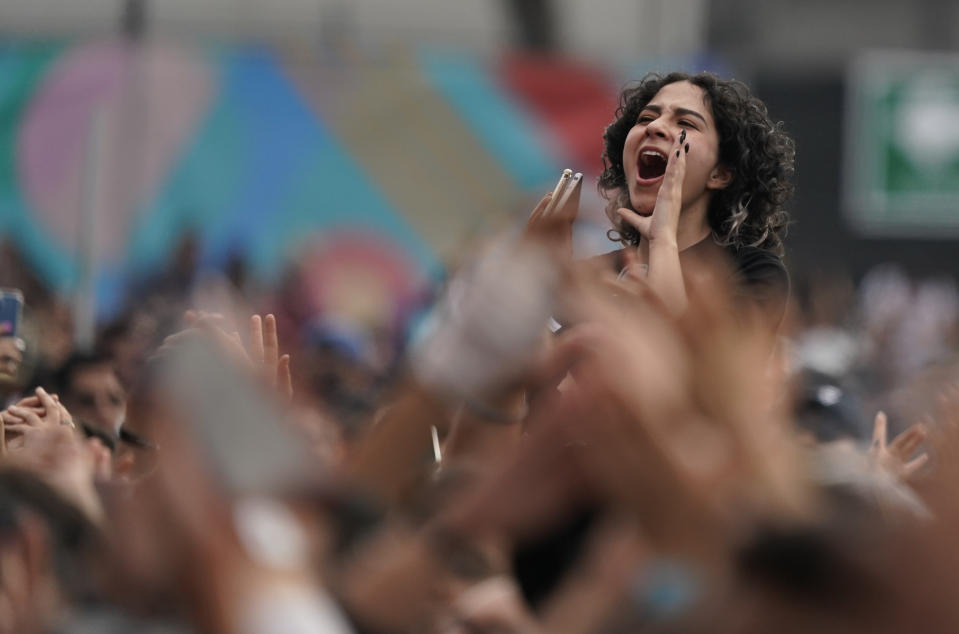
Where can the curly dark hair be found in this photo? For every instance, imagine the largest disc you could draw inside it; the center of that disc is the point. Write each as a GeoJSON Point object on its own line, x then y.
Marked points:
{"type": "Point", "coordinates": [750, 210]}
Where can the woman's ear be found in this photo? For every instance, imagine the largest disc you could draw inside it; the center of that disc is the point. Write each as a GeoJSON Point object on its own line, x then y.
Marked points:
{"type": "Point", "coordinates": [720, 177]}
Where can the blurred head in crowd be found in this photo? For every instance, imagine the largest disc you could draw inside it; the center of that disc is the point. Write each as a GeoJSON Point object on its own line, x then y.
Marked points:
{"type": "Point", "coordinates": [136, 448]}
{"type": "Point", "coordinates": [43, 538]}
{"type": "Point", "coordinates": [90, 389]}
{"type": "Point", "coordinates": [740, 162]}
{"type": "Point", "coordinates": [11, 357]}
{"type": "Point", "coordinates": [128, 341]}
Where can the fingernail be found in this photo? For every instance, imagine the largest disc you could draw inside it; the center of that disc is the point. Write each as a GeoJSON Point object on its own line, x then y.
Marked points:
{"type": "Point", "coordinates": [687, 148]}
{"type": "Point", "coordinates": [677, 152]}
{"type": "Point", "coordinates": [682, 137]}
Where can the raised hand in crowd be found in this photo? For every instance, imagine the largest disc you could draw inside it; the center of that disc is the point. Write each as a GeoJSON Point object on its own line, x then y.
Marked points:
{"type": "Point", "coordinates": [39, 410]}
{"type": "Point", "coordinates": [264, 351]}
{"type": "Point", "coordinates": [900, 456]}
{"type": "Point", "coordinates": [259, 354]}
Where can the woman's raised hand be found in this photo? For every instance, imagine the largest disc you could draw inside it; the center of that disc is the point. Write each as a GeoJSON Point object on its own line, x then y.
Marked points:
{"type": "Point", "coordinates": [552, 220]}
{"type": "Point", "coordinates": [663, 223]}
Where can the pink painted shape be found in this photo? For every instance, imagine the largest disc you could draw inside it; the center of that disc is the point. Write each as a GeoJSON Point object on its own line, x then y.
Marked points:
{"type": "Point", "coordinates": [347, 253]}
{"type": "Point", "coordinates": [151, 99]}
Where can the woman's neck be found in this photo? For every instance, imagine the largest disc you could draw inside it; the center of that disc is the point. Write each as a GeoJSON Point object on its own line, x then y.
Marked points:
{"type": "Point", "coordinates": [693, 228]}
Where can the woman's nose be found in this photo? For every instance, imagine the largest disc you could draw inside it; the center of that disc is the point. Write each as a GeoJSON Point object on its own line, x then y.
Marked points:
{"type": "Point", "coordinates": [658, 129]}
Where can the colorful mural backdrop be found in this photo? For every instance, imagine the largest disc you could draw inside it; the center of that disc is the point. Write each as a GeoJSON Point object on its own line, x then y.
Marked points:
{"type": "Point", "coordinates": [256, 151]}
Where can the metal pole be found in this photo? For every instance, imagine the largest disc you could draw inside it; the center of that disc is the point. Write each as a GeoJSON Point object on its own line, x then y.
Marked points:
{"type": "Point", "coordinates": [84, 301]}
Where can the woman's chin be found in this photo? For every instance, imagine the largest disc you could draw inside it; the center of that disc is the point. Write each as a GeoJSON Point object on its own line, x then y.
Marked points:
{"type": "Point", "coordinates": [642, 206]}
{"type": "Point", "coordinates": [644, 210]}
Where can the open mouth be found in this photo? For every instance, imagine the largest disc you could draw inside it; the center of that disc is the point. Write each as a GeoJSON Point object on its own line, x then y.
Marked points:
{"type": "Point", "coordinates": [652, 165]}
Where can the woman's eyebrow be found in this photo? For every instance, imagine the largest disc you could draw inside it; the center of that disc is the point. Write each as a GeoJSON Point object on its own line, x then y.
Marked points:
{"type": "Point", "coordinates": [691, 113]}
{"type": "Point", "coordinates": [679, 111]}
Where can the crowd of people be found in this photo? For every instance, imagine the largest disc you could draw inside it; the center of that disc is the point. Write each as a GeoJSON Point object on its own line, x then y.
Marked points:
{"type": "Point", "coordinates": [672, 437]}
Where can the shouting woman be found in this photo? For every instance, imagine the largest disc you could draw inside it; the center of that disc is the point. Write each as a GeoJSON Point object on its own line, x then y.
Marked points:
{"type": "Point", "coordinates": [695, 170]}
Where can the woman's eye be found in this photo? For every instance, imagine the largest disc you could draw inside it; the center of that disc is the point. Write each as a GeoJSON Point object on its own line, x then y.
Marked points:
{"type": "Point", "coordinates": [687, 124]}
{"type": "Point", "coordinates": [644, 119]}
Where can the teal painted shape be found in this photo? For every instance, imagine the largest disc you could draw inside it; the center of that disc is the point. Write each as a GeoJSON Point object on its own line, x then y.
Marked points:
{"type": "Point", "coordinates": [23, 64]}
{"type": "Point", "coordinates": [498, 120]}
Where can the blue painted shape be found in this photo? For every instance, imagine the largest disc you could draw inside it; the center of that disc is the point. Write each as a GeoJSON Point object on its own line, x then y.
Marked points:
{"type": "Point", "coordinates": [499, 121]}
{"type": "Point", "coordinates": [279, 137]}
{"type": "Point", "coordinates": [262, 174]}
{"type": "Point", "coordinates": [333, 193]}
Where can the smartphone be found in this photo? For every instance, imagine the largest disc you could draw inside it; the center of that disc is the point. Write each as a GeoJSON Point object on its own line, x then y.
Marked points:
{"type": "Point", "coordinates": [564, 178]}
{"type": "Point", "coordinates": [567, 206]}
{"type": "Point", "coordinates": [11, 310]}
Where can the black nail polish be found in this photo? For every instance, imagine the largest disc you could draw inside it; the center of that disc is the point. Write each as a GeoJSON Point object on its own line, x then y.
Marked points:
{"type": "Point", "coordinates": [677, 152]}
{"type": "Point", "coordinates": [687, 148]}
{"type": "Point", "coordinates": [682, 137]}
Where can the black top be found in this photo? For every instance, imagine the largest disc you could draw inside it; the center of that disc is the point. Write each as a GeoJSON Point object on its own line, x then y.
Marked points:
{"type": "Point", "coordinates": [758, 275]}
{"type": "Point", "coordinates": [762, 277]}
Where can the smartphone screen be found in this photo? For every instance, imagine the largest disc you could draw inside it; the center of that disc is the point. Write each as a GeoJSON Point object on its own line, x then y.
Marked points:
{"type": "Point", "coordinates": [11, 309]}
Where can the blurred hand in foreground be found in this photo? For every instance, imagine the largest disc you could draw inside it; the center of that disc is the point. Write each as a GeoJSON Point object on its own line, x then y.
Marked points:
{"type": "Point", "coordinates": [678, 421]}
